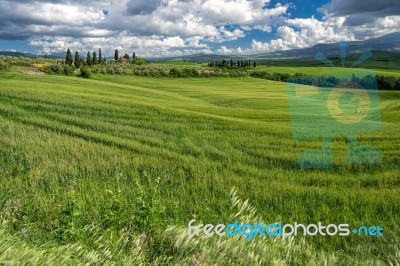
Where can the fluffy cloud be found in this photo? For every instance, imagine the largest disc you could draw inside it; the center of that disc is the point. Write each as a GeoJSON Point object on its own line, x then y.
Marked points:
{"type": "Point", "coordinates": [134, 7]}
{"type": "Point", "coordinates": [173, 27]}
{"type": "Point", "coordinates": [123, 42]}
{"type": "Point", "coordinates": [359, 13]}
{"type": "Point", "coordinates": [156, 24]}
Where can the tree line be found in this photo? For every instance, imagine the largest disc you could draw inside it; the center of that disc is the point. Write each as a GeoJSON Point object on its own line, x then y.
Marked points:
{"type": "Point", "coordinates": [94, 58]}
{"type": "Point", "coordinates": [231, 64]}
{"type": "Point", "coordinates": [368, 82]}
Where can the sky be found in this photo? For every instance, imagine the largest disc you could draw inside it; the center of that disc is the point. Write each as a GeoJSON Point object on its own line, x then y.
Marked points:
{"type": "Point", "coordinates": [160, 28]}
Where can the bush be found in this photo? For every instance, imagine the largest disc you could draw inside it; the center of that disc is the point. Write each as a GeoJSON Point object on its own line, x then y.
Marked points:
{"type": "Point", "coordinates": [55, 69]}
{"type": "Point", "coordinates": [386, 82]}
{"type": "Point", "coordinates": [117, 70]}
{"type": "Point", "coordinates": [95, 70]}
{"type": "Point", "coordinates": [4, 66]}
{"type": "Point", "coordinates": [175, 73]}
{"type": "Point", "coordinates": [69, 70]}
{"type": "Point", "coordinates": [85, 73]}
{"type": "Point", "coordinates": [110, 70]}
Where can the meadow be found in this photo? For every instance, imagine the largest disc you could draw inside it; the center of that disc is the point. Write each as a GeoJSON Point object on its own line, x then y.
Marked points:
{"type": "Point", "coordinates": [96, 171]}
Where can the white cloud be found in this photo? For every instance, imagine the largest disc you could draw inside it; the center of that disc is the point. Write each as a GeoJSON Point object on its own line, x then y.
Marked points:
{"type": "Point", "coordinates": [179, 26]}
{"type": "Point", "coordinates": [146, 46]}
{"type": "Point", "coordinates": [302, 33]}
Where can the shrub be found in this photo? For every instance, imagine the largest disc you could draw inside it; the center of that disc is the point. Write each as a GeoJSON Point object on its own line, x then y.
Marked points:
{"type": "Point", "coordinates": [110, 70]}
{"type": "Point", "coordinates": [69, 70]}
{"type": "Point", "coordinates": [4, 66]}
{"type": "Point", "coordinates": [175, 73]}
{"type": "Point", "coordinates": [85, 73]}
{"type": "Point", "coordinates": [117, 70]}
{"type": "Point", "coordinates": [95, 70]}
{"type": "Point", "coordinates": [55, 69]}
{"type": "Point", "coordinates": [386, 82]}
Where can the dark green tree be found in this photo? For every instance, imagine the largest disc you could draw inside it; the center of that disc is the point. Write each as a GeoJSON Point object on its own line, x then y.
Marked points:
{"type": "Point", "coordinates": [116, 56]}
{"type": "Point", "coordinates": [133, 57]}
{"type": "Point", "coordinates": [254, 64]}
{"type": "Point", "coordinates": [88, 59]}
{"type": "Point", "coordinates": [94, 59]}
{"type": "Point", "coordinates": [77, 60]}
{"type": "Point", "coordinates": [100, 56]}
{"type": "Point", "coordinates": [68, 58]}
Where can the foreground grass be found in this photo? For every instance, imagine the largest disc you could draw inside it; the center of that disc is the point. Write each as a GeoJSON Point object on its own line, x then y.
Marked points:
{"type": "Point", "coordinates": [129, 154]}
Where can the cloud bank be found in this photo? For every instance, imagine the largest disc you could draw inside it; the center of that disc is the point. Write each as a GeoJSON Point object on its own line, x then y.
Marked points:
{"type": "Point", "coordinates": [179, 27]}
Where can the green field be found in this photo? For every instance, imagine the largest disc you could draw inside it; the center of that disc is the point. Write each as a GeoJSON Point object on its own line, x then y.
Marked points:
{"type": "Point", "coordinates": [175, 63]}
{"type": "Point", "coordinates": [322, 70]}
{"type": "Point", "coordinates": [94, 171]}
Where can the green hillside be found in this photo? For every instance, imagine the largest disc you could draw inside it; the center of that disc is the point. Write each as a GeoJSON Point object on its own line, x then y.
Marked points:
{"type": "Point", "coordinates": [90, 166]}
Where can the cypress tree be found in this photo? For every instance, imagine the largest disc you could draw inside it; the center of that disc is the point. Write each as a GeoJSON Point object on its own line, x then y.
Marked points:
{"type": "Point", "coordinates": [77, 60]}
{"type": "Point", "coordinates": [68, 58]}
{"type": "Point", "coordinates": [88, 59]}
{"type": "Point", "coordinates": [100, 56]}
{"type": "Point", "coordinates": [94, 59]}
{"type": "Point", "coordinates": [133, 57]}
{"type": "Point", "coordinates": [116, 57]}
{"type": "Point", "coordinates": [254, 64]}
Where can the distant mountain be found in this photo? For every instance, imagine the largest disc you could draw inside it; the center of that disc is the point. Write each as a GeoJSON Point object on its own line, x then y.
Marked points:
{"type": "Point", "coordinates": [387, 43]}
{"type": "Point", "coordinates": [57, 55]}
{"type": "Point", "coordinates": [7, 53]}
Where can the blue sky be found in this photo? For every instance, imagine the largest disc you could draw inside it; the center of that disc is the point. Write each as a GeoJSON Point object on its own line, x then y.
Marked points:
{"type": "Point", "coordinates": [177, 27]}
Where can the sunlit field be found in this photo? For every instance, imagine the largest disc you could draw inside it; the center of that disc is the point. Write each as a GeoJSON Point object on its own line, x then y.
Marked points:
{"type": "Point", "coordinates": [95, 170]}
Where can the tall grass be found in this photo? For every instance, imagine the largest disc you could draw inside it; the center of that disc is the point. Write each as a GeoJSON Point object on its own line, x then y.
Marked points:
{"type": "Point", "coordinates": [132, 154]}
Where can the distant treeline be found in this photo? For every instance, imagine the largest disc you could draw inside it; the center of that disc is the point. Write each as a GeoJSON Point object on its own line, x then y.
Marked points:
{"type": "Point", "coordinates": [328, 81]}
{"type": "Point", "coordinates": [233, 64]}
{"type": "Point", "coordinates": [94, 58]}
{"type": "Point", "coordinates": [147, 70]}
{"type": "Point", "coordinates": [51, 66]}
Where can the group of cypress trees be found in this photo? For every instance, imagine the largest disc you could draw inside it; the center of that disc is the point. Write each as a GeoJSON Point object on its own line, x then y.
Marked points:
{"type": "Point", "coordinates": [79, 61]}
{"type": "Point", "coordinates": [94, 58]}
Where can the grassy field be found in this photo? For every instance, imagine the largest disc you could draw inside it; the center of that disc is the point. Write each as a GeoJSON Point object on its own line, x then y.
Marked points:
{"type": "Point", "coordinates": [95, 170]}
{"type": "Point", "coordinates": [175, 63]}
{"type": "Point", "coordinates": [380, 60]}
{"type": "Point", "coordinates": [322, 70]}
